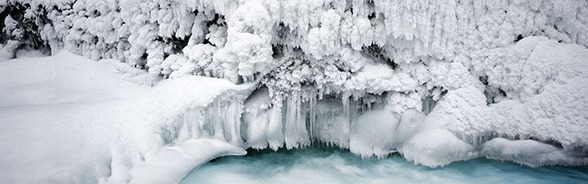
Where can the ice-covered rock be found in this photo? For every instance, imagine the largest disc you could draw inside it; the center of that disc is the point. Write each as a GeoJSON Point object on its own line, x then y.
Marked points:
{"type": "Point", "coordinates": [530, 153]}
{"type": "Point", "coordinates": [435, 148]}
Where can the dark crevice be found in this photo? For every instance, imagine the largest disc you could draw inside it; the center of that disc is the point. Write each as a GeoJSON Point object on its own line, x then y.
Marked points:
{"type": "Point", "coordinates": [217, 20]}
{"type": "Point", "coordinates": [518, 38]}
{"type": "Point", "coordinates": [142, 62]}
{"type": "Point", "coordinates": [493, 94]}
{"type": "Point", "coordinates": [379, 55]}
{"type": "Point", "coordinates": [277, 51]}
{"type": "Point", "coordinates": [282, 32]}
{"type": "Point", "coordinates": [177, 44]}
{"type": "Point", "coordinates": [428, 104]}
{"type": "Point", "coordinates": [27, 30]}
{"type": "Point", "coordinates": [430, 101]}
{"type": "Point", "coordinates": [553, 143]}
{"type": "Point", "coordinates": [372, 16]}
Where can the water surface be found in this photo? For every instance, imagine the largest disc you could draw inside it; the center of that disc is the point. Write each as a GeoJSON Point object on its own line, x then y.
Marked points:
{"type": "Point", "coordinates": [339, 166]}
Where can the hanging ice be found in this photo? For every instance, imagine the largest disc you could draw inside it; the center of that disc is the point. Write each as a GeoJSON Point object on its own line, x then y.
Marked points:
{"type": "Point", "coordinates": [436, 81]}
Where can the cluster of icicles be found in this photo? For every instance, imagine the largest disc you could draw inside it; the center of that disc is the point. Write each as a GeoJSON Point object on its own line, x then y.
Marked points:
{"type": "Point", "coordinates": [254, 120]}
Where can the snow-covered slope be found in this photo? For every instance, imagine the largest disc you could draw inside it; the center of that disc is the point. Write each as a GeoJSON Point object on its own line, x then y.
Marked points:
{"type": "Point", "coordinates": [67, 119]}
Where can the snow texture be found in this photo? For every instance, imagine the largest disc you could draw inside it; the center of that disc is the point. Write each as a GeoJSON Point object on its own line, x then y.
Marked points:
{"type": "Point", "coordinates": [436, 81]}
{"type": "Point", "coordinates": [70, 120]}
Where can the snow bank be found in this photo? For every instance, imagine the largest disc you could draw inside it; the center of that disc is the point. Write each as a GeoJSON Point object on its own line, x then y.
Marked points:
{"type": "Point", "coordinates": [67, 119]}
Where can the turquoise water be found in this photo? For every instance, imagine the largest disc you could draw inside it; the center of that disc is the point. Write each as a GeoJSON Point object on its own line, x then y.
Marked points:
{"type": "Point", "coordinates": [334, 166]}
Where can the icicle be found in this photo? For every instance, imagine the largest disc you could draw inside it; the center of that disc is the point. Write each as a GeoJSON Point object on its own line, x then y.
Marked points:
{"type": "Point", "coordinates": [303, 136]}
{"type": "Point", "coordinates": [295, 123]}
{"type": "Point", "coordinates": [217, 121]}
{"type": "Point", "coordinates": [288, 122]}
{"type": "Point", "coordinates": [193, 123]}
{"type": "Point", "coordinates": [232, 121]}
{"type": "Point", "coordinates": [275, 132]}
{"type": "Point", "coordinates": [331, 125]}
{"type": "Point", "coordinates": [206, 121]}
{"type": "Point", "coordinates": [345, 99]}
{"type": "Point", "coordinates": [312, 114]}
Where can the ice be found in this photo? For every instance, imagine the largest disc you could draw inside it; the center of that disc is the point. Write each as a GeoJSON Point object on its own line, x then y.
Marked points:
{"type": "Point", "coordinates": [530, 153]}
{"type": "Point", "coordinates": [262, 121]}
{"type": "Point", "coordinates": [256, 118]}
{"type": "Point", "coordinates": [71, 120]}
{"type": "Point", "coordinates": [331, 124]}
{"type": "Point", "coordinates": [435, 148]}
{"type": "Point", "coordinates": [372, 134]}
{"type": "Point", "coordinates": [275, 127]}
{"type": "Point", "coordinates": [459, 120]}
{"type": "Point", "coordinates": [172, 164]}
{"type": "Point", "coordinates": [410, 124]}
{"type": "Point", "coordinates": [115, 125]}
{"type": "Point", "coordinates": [436, 81]}
{"type": "Point", "coordinates": [295, 133]}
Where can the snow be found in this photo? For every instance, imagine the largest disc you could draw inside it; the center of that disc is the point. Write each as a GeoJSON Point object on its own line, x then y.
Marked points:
{"type": "Point", "coordinates": [528, 152]}
{"type": "Point", "coordinates": [462, 119]}
{"type": "Point", "coordinates": [497, 79]}
{"type": "Point", "coordinates": [244, 35]}
{"type": "Point", "coordinates": [33, 82]}
{"type": "Point", "coordinates": [67, 119]}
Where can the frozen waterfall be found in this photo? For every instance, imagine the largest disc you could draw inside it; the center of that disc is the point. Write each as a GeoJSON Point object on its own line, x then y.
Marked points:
{"type": "Point", "coordinates": [251, 119]}
{"type": "Point", "coordinates": [432, 81]}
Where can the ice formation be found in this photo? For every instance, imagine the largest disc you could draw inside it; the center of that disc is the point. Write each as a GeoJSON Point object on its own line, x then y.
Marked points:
{"type": "Point", "coordinates": [436, 81]}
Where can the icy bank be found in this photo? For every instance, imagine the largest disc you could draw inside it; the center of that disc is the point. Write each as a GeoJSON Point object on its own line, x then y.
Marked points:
{"type": "Point", "coordinates": [67, 119]}
{"type": "Point", "coordinates": [172, 164]}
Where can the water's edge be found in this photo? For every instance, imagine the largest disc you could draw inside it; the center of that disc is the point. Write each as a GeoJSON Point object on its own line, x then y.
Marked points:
{"type": "Point", "coordinates": [324, 165]}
